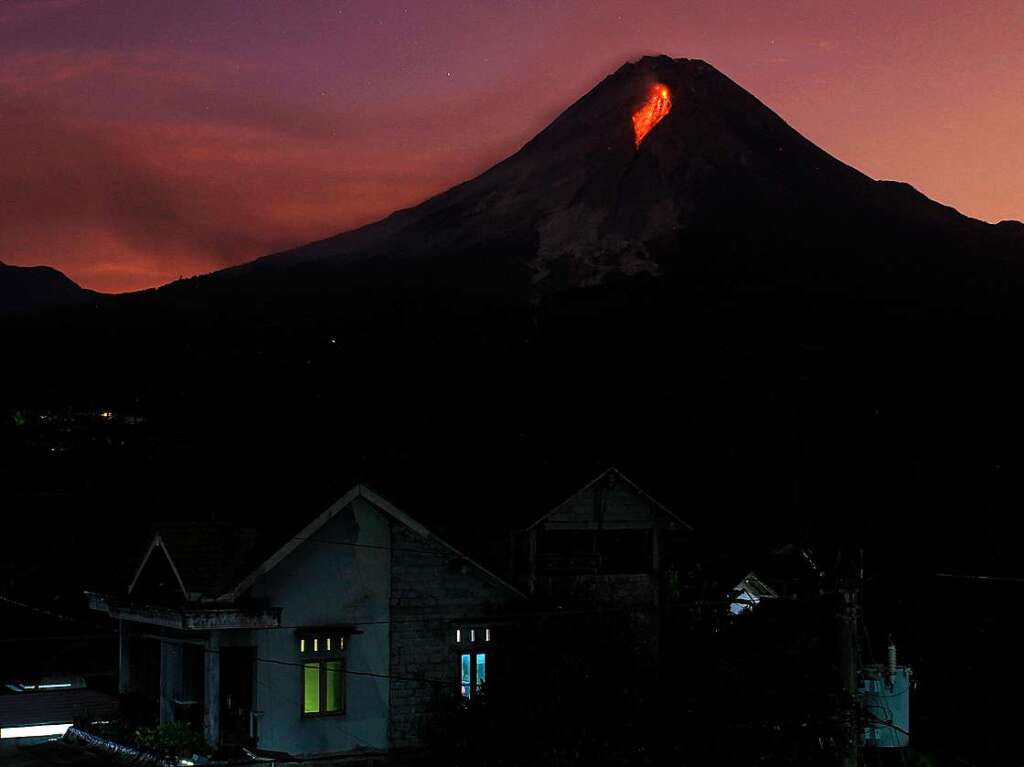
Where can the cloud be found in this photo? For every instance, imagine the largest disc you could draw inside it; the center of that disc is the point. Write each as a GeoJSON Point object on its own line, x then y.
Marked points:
{"type": "Point", "coordinates": [127, 194]}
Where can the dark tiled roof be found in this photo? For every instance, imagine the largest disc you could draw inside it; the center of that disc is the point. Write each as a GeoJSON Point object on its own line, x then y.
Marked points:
{"type": "Point", "coordinates": [210, 557]}
{"type": "Point", "coordinates": [56, 707]}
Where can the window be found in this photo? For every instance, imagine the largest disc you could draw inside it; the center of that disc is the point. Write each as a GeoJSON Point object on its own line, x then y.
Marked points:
{"type": "Point", "coordinates": [473, 668]}
{"type": "Point", "coordinates": [323, 678]}
{"type": "Point", "coordinates": [472, 663]}
{"type": "Point", "coordinates": [323, 687]}
{"type": "Point", "coordinates": [320, 642]}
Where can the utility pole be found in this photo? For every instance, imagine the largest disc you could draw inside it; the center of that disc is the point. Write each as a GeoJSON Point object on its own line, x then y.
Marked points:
{"type": "Point", "coordinates": [847, 716]}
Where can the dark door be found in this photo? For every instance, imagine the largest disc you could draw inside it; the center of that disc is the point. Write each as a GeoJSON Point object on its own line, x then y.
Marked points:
{"type": "Point", "coordinates": [237, 680]}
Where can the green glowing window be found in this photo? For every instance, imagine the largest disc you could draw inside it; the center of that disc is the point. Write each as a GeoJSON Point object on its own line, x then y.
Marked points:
{"type": "Point", "coordinates": [334, 686]}
{"type": "Point", "coordinates": [323, 687]}
{"type": "Point", "coordinates": [311, 688]}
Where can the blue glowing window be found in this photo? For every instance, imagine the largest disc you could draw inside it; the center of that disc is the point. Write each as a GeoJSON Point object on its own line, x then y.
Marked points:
{"type": "Point", "coordinates": [467, 676]}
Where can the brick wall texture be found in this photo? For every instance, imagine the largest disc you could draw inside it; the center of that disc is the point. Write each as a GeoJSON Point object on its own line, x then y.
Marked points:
{"type": "Point", "coordinates": [432, 594]}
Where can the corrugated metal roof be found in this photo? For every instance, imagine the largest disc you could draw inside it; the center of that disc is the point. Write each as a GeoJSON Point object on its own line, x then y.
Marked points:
{"type": "Point", "coordinates": [56, 707]}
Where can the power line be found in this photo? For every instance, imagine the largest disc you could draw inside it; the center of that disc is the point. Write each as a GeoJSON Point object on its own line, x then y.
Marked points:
{"type": "Point", "coordinates": [302, 664]}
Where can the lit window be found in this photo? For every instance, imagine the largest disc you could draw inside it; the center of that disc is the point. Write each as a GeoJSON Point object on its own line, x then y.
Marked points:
{"type": "Point", "coordinates": [323, 680]}
{"type": "Point", "coordinates": [458, 635]}
{"type": "Point", "coordinates": [487, 635]}
{"type": "Point", "coordinates": [323, 687]}
{"type": "Point", "coordinates": [472, 673]}
{"type": "Point", "coordinates": [472, 635]}
{"type": "Point", "coordinates": [311, 687]}
{"type": "Point", "coordinates": [466, 675]}
{"type": "Point", "coordinates": [333, 672]}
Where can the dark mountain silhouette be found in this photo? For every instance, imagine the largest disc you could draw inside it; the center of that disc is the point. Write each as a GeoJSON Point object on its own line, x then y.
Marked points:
{"type": "Point", "coordinates": [580, 202]}
{"type": "Point", "coordinates": [35, 287]}
{"type": "Point", "coordinates": [784, 323]}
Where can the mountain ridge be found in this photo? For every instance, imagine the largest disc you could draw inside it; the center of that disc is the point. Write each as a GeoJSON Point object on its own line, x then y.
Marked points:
{"type": "Point", "coordinates": [27, 288]}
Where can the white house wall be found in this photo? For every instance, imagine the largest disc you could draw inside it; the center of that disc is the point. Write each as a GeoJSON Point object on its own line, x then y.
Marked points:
{"type": "Point", "coordinates": [326, 582]}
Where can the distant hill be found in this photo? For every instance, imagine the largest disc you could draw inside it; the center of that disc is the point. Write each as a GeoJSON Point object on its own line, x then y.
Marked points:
{"type": "Point", "coordinates": [24, 288]}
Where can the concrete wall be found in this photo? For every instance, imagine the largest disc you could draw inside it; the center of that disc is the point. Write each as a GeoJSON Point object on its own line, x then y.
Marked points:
{"type": "Point", "coordinates": [324, 582]}
{"type": "Point", "coordinates": [432, 594]}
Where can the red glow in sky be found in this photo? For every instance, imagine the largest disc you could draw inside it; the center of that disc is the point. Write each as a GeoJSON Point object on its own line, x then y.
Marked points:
{"type": "Point", "coordinates": [143, 140]}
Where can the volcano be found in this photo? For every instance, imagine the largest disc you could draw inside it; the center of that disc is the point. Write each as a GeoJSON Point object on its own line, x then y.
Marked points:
{"type": "Point", "coordinates": [665, 167]}
{"type": "Point", "coordinates": [668, 262]}
{"type": "Point", "coordinates": [719, 172]}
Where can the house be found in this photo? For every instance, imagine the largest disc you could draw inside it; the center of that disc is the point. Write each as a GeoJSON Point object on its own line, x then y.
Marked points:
{"type": "Point", "coordinates": [607, 561]}
{"type": "Point", "coordinates": [749, 593]}
{"type": "Point", "coordinates": [326, 638]}
{"type": "Point", "coordinates": [608, 543]}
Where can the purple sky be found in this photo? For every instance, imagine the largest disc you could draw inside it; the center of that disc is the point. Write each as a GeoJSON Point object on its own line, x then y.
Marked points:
{"type": "Point", "coordinates": [144, 140]}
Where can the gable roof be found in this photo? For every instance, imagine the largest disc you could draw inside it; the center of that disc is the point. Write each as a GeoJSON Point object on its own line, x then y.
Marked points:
{"type": "Point", "coordinates": [220, 563]}
{"type": "Point", "coordinates": [381, 504]}
{"type": "Point", "coordinates": [206, 558]}
{"type": "Point", "coordinates": [612, 473]}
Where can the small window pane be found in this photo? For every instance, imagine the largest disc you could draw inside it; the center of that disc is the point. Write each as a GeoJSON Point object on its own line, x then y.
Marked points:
{"type": "Point", "coordinates": [487, 635]}
{"type": "Point", "coordinates": [458, 635]}
{"type": "Point", "coordinates": [334, 682]}
{"type": "Point", "coordinates": [481, 669]}
{"type": "Point", "coordinates": [467, 679]}
{"type": "Point", "coordinates": [328, 644]}
{"type": "Point", "coordinates": [316, 645]}
{"type": "Point", "coordinates": [472, 635]}
{"type": "Point", "coordinates": [302, 645]}
{"type": "Point", "coordinates": [311, 688]}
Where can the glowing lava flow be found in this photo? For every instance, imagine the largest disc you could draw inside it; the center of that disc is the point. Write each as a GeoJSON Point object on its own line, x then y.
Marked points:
{"type": "Point", "coordinates": [652, 112]}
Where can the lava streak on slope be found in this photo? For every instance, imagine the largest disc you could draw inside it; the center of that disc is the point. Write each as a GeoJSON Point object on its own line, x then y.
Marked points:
{"type": "Point", "coordinates": [658, 104]}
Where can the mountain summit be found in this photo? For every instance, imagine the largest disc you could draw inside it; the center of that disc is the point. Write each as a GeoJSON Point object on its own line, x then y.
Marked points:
{"type": "Point", "coordinates": [587, 198]}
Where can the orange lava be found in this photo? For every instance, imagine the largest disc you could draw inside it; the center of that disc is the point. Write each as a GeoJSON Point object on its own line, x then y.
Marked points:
{"type": "Point", "coordinates": [658, 104]}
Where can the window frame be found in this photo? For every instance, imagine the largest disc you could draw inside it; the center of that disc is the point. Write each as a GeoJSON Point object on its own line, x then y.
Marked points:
{"type": "Point", "coordinates": [472, 641]}
{"type": "Point", "coordinates": [320, 658]}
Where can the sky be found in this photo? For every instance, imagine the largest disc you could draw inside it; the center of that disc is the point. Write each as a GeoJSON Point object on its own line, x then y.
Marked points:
{"type": "Point", "coordinates": [145, 140]}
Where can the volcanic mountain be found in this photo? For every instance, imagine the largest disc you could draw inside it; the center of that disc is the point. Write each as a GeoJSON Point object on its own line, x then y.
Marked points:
{"type": "Point", "coordinates": [720, 182]}
{"type": "Point", "coordinates": [667, 263]}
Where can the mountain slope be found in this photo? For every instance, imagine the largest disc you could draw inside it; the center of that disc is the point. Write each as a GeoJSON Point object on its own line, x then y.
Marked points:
{"type": "Point", "coordinates": [580, 200]}
{"type": "Point", "coordinates": [25, 288]}
{"type": "Point", "coordinates": [725, 288]}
